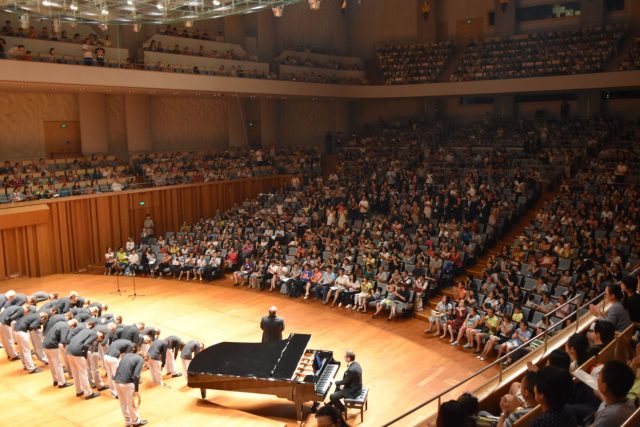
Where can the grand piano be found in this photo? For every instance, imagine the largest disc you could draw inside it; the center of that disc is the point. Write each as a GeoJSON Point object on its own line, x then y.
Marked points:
{"type": "Point", "coordinates": [286, 368]}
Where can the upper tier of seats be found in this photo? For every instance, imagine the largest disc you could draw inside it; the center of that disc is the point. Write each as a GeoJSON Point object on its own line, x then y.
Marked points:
{"type": "Point", "coordinates": [308, 66]}
{"type": "Point", "coordinates": [567, 52]}
{"type": "Point", "coordinates": [631, 60]}
{"type": "Point", "coordinates": [543, 54]}
{"type": "Point", "coordinates": [415, 63]}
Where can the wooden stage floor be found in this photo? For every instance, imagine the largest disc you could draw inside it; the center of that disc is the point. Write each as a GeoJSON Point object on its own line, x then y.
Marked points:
{"type": "Point", "coordinates": [401, 366]}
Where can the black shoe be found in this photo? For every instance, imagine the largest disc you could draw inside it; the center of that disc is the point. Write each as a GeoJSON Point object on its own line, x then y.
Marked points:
{"type": "Point", "coordinates": [141, 423]}
{"type": "Point", "coordinates": [35, 371]}
{"type": "Point", "coordinates": [79, 394]}
{"type": "Point", "coordinates": [55, 383]}
{"type": "Point", "coordinates": [92, 396]}
{"type": "Point", "coordinates": [104, 387]}
{"type": "Point", "coordinates": [314, 407]}
{"type": "Point", "coordinates": [176, 375]}
{"type": "Point", "coordinates": [65, 385]}
{"type": "Point", "coordinates": [13, 359]}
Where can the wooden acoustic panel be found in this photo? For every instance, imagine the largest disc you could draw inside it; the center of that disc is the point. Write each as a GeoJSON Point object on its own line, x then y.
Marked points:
{"type": "Point", "coordinates": [68, 234]}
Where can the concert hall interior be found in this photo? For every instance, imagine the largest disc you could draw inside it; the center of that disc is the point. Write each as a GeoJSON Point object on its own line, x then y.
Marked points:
{"type": "Point", "coordinates": [320, 212]}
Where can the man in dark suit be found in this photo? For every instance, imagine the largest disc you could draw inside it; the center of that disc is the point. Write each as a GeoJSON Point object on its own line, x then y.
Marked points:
{"type": "Point", "coordinates": [351, 383]}
{"type": "Point", "coordinates": [272, 326]}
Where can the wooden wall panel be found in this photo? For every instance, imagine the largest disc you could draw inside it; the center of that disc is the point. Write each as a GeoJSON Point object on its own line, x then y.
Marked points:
{"type": "Point", "coordinates": [65, 235]}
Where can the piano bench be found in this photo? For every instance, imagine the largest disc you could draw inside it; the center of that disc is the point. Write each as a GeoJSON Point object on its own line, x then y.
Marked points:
{"type": "Point", "coordinates": [359, 402]}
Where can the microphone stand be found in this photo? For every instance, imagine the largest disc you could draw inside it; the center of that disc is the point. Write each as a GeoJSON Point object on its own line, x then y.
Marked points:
{"type": "Point", "coordinates": [118, 291]}
{"type": "Point", "coordinates": [135, 294]}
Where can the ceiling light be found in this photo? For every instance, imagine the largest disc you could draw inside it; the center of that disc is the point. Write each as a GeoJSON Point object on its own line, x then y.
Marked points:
{"type": "Point", "coordinates": [125, 12]}
{"type": "Point", "coordinates": [314, 4]}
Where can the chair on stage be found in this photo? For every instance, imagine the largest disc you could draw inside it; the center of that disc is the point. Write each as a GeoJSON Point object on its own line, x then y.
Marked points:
{"type": "Point", "coordinates": [359, 402]}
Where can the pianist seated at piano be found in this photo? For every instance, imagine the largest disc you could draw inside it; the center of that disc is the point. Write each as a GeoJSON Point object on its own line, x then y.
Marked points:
{"type": "Point", "coordinates": [272, 326]}
{"type": "Point", "coordinates": [350, 385]}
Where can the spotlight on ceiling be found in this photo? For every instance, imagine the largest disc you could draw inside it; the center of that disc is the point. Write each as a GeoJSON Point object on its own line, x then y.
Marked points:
{"type": "Point", "coordinates": [130, 2]}
{"type": "Point", "coordinates": [278, 11]}
{"type": "Point", "coordinates": [216, 2]}
{"type": "Point", "coordinates": [314, 4]}
{"type": "Point", "coordinates": [188, 24]}
{"type": "Point", "coordinates": [159, 6]}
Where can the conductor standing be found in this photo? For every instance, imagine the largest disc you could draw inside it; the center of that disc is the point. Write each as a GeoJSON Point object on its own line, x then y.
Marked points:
{"type": "Point", "coordinates": [272, 326]}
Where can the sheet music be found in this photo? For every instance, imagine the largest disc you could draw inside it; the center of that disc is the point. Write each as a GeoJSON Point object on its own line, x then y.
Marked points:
{"type": "Point", "coordinates": [586, 378]}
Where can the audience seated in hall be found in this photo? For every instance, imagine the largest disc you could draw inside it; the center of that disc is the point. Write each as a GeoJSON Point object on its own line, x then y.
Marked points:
{"type": "Point", "coordinates": [31, 180]}
{"type": "Point", "coordinates": [580, 241]}
{"type": "Point", "coordinates": [542, 54]}
{"type": "Point", "coordinates": [608, 401]}
{"type": "Point", "coordinates": [399, 229]}
{"type": "Point", "coordinates": [307, 66]}
{"type": "Point", "coordinates": [415, 63]}
{"type": "Point", "coordinates": [43, 179]}
{"type": "Point", "coordinates": [631, 60]}
{"type": "Point", "coordinates": [179, 168]}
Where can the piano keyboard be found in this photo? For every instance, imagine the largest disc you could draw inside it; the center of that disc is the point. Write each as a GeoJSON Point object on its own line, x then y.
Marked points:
{"type": "Point", "coordinates": [324, 382]}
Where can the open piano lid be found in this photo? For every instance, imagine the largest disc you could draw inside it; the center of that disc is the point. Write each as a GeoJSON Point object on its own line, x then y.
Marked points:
{"type": "Point", "coordinates": [274, 360]}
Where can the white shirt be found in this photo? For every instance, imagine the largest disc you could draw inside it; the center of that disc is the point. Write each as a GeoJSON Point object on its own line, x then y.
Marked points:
{"type": "Point", "coordinates": [134, 258]}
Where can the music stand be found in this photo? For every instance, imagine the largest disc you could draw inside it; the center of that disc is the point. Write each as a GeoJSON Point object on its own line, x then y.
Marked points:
{"type": "Point", "coordinates": [118, 291]}
{"type": "Point", "coordinates": [135, 294]}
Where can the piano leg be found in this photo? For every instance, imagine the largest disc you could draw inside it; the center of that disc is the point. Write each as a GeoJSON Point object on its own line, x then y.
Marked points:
{"type": "Point", "coordinates": [297, 400]}
{"type": "Point", "coordinates": [203, 393]}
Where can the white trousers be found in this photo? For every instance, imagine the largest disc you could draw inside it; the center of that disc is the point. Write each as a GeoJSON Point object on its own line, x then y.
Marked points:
{"type": "Point", "coordinates": [65, 359]}
{"type": "Point", "coordinates": [36, 340]}
{"type": "Point", "coordinates": [55, 365]}
{"type": "Point", "coordinates": [144, 348]}
{"type": "Point", "coordinates": [155, 367]}
{"type": "Point", "coordinates": [185, 366]}
{"type": "Point", "coordinates": [80, 374]}
{"type": "Point", "coordinates": [93, 361]}
{"type": "Point", "coordinates": [125, 396]}
{"type": "Point", "coordinates": [6, 337]}
{"type": "Point", "coordinates": [24, 345]}
{"type": "Point", "coordinates": [111, 366]}
{"type": "Point", "coordinates": [170, 365]}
